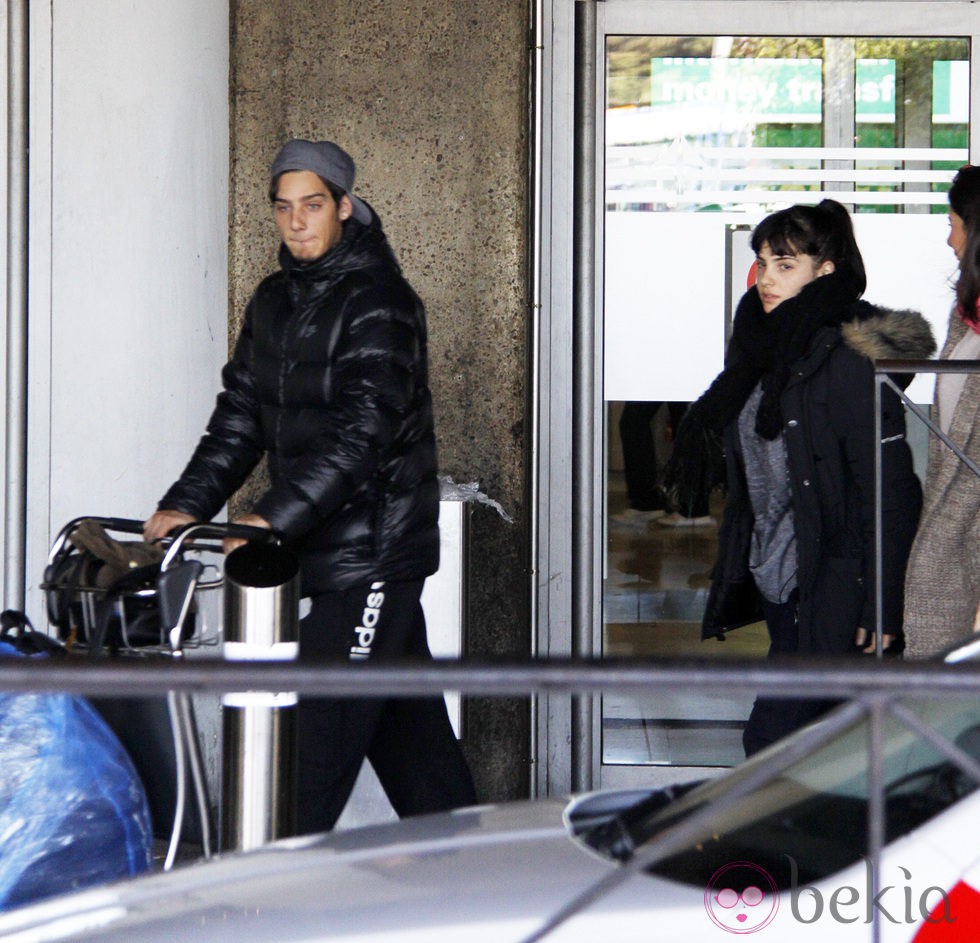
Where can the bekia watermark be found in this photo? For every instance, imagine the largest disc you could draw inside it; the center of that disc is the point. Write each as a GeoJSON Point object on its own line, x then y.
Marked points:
{"type": "Point", "coordinates": [896, 903]}
{"type": "Point", "coordinates": [743, 898]}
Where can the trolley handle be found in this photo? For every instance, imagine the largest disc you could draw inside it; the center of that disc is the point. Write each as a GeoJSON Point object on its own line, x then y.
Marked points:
{"type": "Point", "coordinates": [181, 535]}
{"type": "Point", "coordinates": [124, 525]}
{"type": "Point", "coordinates": [177, 537]}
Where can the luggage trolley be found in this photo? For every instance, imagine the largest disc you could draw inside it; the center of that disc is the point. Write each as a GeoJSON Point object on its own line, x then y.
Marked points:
{"type": "Point", "coordinates": [132, 599]}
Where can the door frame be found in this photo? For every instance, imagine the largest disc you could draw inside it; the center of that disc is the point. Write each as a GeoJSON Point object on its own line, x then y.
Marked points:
{"type": "Point", "coordinates": [568, 470]}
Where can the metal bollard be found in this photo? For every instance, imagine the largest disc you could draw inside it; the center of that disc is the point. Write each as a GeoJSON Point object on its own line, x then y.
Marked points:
{"type": "Point", "coordinates": [261, 620]}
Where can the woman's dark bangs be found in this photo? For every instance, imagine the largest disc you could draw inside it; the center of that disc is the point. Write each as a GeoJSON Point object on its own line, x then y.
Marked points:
{"type": "Point", "coordinates": [779, 234]}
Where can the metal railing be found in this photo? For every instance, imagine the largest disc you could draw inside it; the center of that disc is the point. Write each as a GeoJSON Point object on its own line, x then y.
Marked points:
{"type": "Point", "coordinates": [884, 369]}
{"type": "Point", "coordinates": [790, 677]}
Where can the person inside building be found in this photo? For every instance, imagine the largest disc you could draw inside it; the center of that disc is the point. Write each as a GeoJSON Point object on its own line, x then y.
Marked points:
{"type": "Point", "coordinates": [942, 593]}
{"type": "Point", "coordinates": [646, 500]}
{"type": "Point", "coordinates": [329, 381]}
{"type": "Point", "coordinates": [795, 407]}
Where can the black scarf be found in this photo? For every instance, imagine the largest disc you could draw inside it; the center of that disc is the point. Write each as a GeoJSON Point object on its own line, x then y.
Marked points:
{"type": "Point", "coordinates": [764, 347]}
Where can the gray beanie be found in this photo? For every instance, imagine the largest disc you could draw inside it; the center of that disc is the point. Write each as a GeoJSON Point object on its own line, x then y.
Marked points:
{"type": "Point", "coordinates": [326, 160]}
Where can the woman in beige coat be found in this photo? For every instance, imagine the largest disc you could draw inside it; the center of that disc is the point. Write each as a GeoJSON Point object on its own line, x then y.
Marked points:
{"type": "Point", "coordinates": [942, 590]}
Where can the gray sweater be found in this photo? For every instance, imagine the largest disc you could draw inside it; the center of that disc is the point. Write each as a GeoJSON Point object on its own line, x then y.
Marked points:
{"type": "Point", "coordinates": [772, 553]}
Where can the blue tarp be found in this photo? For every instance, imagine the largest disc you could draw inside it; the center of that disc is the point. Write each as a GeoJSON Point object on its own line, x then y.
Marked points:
{"type": "Point", "coordinates": [73, 811]}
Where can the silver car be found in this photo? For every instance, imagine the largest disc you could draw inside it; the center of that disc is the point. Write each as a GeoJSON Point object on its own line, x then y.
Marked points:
{"type": "Point", "coordinates": [778, 846]}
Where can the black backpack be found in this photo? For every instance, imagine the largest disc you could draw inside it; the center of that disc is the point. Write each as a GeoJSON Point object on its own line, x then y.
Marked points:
{"type": "Point", "coordinates": [101, 593]}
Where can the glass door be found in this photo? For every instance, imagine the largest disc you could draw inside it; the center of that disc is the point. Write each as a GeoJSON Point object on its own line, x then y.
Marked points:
{"type": "Point", "coordinates": [710, 120]}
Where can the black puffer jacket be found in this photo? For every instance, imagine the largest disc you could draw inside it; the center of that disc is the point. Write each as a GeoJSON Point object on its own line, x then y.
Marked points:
{"type": "Point", "coordinates": [329, 377]}
{"type": "Point", "coordinates": [827, 408]}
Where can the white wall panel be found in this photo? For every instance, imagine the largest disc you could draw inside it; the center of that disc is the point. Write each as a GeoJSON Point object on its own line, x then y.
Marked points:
{"type": "Point", "coordinates": [664, 305]}
{"type": "Point", "coordinates": [132, 164]}
{"type": "Point", "coordinates": [666, 286]}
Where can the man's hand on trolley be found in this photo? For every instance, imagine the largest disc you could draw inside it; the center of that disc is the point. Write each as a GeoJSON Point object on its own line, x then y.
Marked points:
{"type": "Point", "coordinates": [163, 522]}
{"type": "Point", "coordinates": [251, 520]}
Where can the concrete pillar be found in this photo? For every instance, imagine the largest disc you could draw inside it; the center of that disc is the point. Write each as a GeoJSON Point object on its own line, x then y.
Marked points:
{"type": "Point", "coordinates": [431, 99]}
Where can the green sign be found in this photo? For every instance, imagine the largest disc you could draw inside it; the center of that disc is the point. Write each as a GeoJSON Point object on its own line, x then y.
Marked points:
{"type": "Point", "coordinates": [788, 91]}
{"type": "Point", "coordinates": [874, 91]}
{"type": "Point", "coordinates": [951, 92]}
{"type": "Point", "coordinates": [768, 91]}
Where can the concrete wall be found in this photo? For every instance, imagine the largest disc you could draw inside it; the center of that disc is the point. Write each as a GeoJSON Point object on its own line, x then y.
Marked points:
{"type": "Point", "coordinates": [430, 97]}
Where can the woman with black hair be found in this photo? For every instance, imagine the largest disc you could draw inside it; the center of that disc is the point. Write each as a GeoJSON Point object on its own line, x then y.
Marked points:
{"type": "Point", "coordinates": [942, 593]}
{"type": "Point", "coordinates": [795, 409]}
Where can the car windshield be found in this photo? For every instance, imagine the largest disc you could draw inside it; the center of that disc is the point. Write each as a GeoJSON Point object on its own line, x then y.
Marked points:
{"type": "Point", "coordinates": [815, 814]}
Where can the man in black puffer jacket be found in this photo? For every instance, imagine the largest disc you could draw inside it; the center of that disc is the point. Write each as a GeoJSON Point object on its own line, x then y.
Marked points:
{"type": "Point", "coordinates": [329, 380]}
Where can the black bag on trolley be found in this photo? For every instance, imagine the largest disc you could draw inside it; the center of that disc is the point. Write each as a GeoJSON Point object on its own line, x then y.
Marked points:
{"type": "Point", "coordinates": [101, 592]}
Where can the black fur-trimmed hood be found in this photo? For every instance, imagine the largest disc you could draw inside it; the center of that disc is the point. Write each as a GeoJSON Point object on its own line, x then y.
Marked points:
{"type": "Point", "coordinates": [881, 333]}
{"type": "Point", "coordinates": [826, 306]}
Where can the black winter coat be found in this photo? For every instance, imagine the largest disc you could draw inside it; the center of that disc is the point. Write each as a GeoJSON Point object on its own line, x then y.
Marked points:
{"type": "Point", "coordinates": [828, 423]}
{"type": "Point", "coordinates": [329, 379]}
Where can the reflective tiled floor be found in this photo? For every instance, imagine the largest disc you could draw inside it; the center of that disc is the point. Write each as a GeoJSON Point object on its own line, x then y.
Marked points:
{"type": "Point", "coordinates": [655, 588]}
